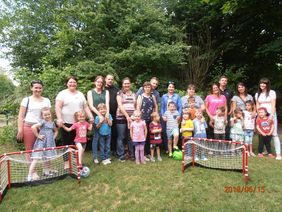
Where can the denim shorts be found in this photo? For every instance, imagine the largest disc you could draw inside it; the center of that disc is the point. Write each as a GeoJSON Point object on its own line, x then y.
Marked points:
{"type": "Point", "coordinates": [171, 132]}
{"type": "Point", "coordinates": [249, 136]}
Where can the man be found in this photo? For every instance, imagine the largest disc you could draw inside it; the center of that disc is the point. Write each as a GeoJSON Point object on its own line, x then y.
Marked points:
{"type": "Point", "coordinates": [113, 107]}
{"type": "Point", "coordinates": [154, 83]}
{"type": "Point", "coordinates": [228, 95]}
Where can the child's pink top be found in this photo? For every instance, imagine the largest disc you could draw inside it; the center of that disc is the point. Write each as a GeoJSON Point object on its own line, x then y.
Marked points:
{"type": "Point", "coordinates": [214, 102]}
{"type": "Point", "coordinates": [80, 131]}
{"type": "Point", "coordinates": [138, 129]}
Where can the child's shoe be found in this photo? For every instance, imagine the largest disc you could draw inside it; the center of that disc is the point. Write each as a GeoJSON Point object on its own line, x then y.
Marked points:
{"type": "Point", "coordinates": [152, 159]}
{"type": "Point", "coordinates": [96, 161]}
{"type": "Point", "coordinates": [108, 161]}
{"type": "Point", "coordinates": [252, 154]}
{"type": "Point", "coordinates": [29, 178]}
{"type": "Point", "coordinates": [104, 162]}
{"type": "Point", "coordinates": [137, 162]}
{"type": "Point", "coordinates": [175, 148]}
{"type": "Point", "coordinates": [271, 156]}
{"type": "Point", "coordinates": [278, 157]}
{"type": "Point", "coordinates": [260, 155]}
{"type": "Point", "coordinates": [170, 155]}
{"type": "Point", "coordinates": [146, 158]}
{"type": "Point", "coordinates": [160, 159]}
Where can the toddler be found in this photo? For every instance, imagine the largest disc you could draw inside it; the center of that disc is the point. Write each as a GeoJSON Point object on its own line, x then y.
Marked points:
{"type": "Point", "coordinates": [187, 128]}
{"type": "Point", "coordinates": [155, 129]}
{"type": "Point", "coordinates": [219, 123]}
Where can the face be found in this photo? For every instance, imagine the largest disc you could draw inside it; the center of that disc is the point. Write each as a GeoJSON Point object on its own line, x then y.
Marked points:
{"type": "Point", "coordinates": [219, 112]}
{"type": "Point", "coordinates": [171, 107]}
{"type": "Point", "coordinates": [261, 113]}
{"type": "Point", "coordinates": [137, 116]}
{"type": "Point", "coordinates": [81, 117]}
{"type": "Point", "coordinates": [157, 118]}
{"type": "Point", "coordinates": [126, 85]}
{"type": "Point", "coordinates": [191, 91]}
{"type": "Point", "coordinates": [46, 115]}
{"type": "Point", "coordinates": [109, 80]}
{"type": "Point", "coordinates": [241, 89]}
{"type": "Point", "coordinates": [154, 84]}
{"type": "Point", "coordinates": [192, 104]}
{"type": "Point", "coordinates": [215, 89]}
{"type": "Point", "coordinates": [239, 115]}
{"type": "Point", "coordinates": [223, 81]}
{"type": "Point", "coordinates": [99, 83]}
{"type": "Point", "coordinates": [185, 116]}
{"type": "Point", "coordinates": [170, 88]}
{"type": "Point", "coordinates": [72, 84]}
{"type": "Point", "coordinates": [248, 107]}
{"type": "Point", "coordinates": [147, 89]}
{"type": "Point", "coordinates": [199, 114]}
{"type": "Point", "coordinates": [37, 89]}
{"type": "Point", "coordinates": [262, 86]}
{"type": "Point", "coordinates": [103, 111]}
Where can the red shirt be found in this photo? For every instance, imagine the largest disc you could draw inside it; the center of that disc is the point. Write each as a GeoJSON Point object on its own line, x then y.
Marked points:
{"type": "Point", "coordinates": [155, 138]}
{"type": "Point", "coordinates": [80, 131]}
{"type": "Point", "coordinates": [264, 125]}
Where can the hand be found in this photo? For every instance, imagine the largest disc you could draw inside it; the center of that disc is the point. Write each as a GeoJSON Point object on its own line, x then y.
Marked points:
{"type": "Point", "coordinates": [60, 123]}
{"type": "Point", "coordinates": [20, 135]}
{"type": "Point", "coordinates": [271, 117]}
{"type": "Point", "coordinates": [165, 119]}
{"type": "Point", "coordinates": [91, 120]}
{"type": "Point", "coordinates": [41, 137]}
{"type": "Point", "coordinates": [101, 119]}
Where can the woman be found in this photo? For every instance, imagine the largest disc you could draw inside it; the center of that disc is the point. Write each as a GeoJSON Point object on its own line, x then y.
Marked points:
{"type": "Point", "coordinates": [240, 99]}
{"type": "Point", "coordinates": [199, 103]}
{"type": "Point", "coordinates": [126, 100]}
{"type": "Point", "coordinates": [30, 114]}
{"type": "Point", "coordinates": [166, 98]}
{"type": "Point", "coordinates": [212, 101]}
{"type": "Point", "coordinates": [94, 97]}
{"type": "Point", "coordinates": [68, 102]}
{"type": "Point", "coordinates": [147, 104]}
{"type": "Point", "coordinates": [265, 97]}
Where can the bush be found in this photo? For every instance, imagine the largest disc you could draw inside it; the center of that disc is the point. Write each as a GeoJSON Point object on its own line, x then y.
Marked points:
{"type": "Point", "coordinates": [8, 135]}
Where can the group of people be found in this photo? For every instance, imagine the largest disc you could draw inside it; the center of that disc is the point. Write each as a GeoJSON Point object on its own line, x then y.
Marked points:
{"type": "Point", "coordinates": [121, 118]}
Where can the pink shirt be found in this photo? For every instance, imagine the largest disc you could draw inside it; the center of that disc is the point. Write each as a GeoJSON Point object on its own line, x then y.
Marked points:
{"type": "Point", "coordinates": [80, 131]}
{"type": "Point", "coordinates": [214, 102]}
{"type": "Point", "coordinates": [138, 129]}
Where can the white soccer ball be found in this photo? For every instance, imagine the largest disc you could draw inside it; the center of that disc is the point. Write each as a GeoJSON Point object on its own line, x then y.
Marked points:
{"type": "Point", "coordinates": [85, 171]}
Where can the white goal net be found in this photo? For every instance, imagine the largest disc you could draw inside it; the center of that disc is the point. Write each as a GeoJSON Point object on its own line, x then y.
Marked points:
{"type": "Point", "coordinates": [216, 154]}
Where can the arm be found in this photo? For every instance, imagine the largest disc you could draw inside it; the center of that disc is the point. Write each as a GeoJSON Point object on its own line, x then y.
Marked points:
{"type": "Point", "coordinates": [233, 106]}
{"type": "Point", "coordinates": [90, 103]}
{"type": "Point", "coordinates": [98, 122]}
{"type": "Point", "coordinates": [21, 122]}
{"type": "Point", "coordinates": [226, 108]}
{"type": "Point", "coordinates": [109, 121]}
{"type": "Point", "coordinates": [131, 132]}
{"type": "Point", "coordinates": [90, 127]}
{"type": "Point", "coordinates": [68, 129]}
{"type": "Point", "coordinates": [88, 112]}
{"type": "Point", "coordinates": [232, 121]}
{"type": "Point", "coordinates": [145, 130]}
{"type": "Point", "coordinates": [271, 130]}
{"type": "Point", "coordinates": [138, 103]}
{"type": "Point", "coordinates": [58, 108]}
{"type": "Point", "coordinates": [258, 129]}
{"type": "Point", "coordinates": [273, 108]}
{"type": "Point", "coordinates": [56, 131]}
{"type": "Point", "coordinates": [179, 105]}
{"type": "Point", "coordinates": [155, 104]}
{"type": "Point", "coordinates": [120, 106]}
{"type": "Point", "coordinates": [207, 109]}
{"type": "Point", "coordinates": [35, 128]}
{"type": "Point", "coordinates": [163, 106]}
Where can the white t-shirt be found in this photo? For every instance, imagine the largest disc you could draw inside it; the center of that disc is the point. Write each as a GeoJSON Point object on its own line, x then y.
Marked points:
{"type": "Point", "coordinates": [266, 101]}
{"type": "Point", "coordinates": [33, 114]}
{"type": "Point", "coordinates": [249, 121]}
{"type": "Point", "coordinates": [72, 102]}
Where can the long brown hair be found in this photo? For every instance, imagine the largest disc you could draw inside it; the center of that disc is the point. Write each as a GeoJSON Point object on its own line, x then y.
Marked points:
{"type": "Point", "coordinates": [265, 81]}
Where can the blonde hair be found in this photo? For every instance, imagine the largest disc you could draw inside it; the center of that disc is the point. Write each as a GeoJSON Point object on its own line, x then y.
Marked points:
{"type": "Point", "coordinates": [101, 106]}
{"type": "Point", "coordinates": [78, 113]}
{"type": "Point", "coordinates": [154, 115]}
{"type": "Point", "coordinates": [45, 109]}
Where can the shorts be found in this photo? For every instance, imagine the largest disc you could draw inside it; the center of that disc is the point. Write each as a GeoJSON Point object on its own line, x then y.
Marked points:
{"type": "Point", "coordinates": [171, 132]}
{"type": "Point", "coordinates": [82, 144]}
{"type": "Point", "coordinates": [249, 136]}
{"type": "Point", "coordinates": [153, 146]}
{"type": "Point", "coordinates": [136, 143]}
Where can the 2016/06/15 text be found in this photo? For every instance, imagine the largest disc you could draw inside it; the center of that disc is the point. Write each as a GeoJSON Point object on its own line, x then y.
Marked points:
{"type": "Point", "coordinates": [244, 189]}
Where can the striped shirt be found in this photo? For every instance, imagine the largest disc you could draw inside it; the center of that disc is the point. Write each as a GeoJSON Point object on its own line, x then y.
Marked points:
{"type": "Point", "coordinates": [155, 138]}
{"type": "Point", "coordinates": [128, 103]}
{"type": "Point", "coordinates": [171, 117]}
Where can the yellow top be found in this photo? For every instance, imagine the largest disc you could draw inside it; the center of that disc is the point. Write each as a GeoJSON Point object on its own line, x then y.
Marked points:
{"type": "Point", "coordinates": [187, 124]}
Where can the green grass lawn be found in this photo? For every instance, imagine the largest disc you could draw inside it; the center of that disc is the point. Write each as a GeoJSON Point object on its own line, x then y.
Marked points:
{"type": "Point", "coordinates": [159, 186]}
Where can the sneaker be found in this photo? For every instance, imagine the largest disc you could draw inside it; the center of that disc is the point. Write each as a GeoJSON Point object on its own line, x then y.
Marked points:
{"type": "Point", "coordinates": [121, 160]}
{"type": "Point", "coordinates": [278, 157]}
{"type": "Point", "coordinates": [252, 154]}
{"type": "Point", "coordinates": [204, 159]}
{"type": "Point", "coordinates": [146, 159]}
{"type": "Point", "coordinates": [104, 162]}
{"type": "Point", "coordinates": [196, 158]}
{"type": "Point", "coordinates": [29, 178]}
{"type": "Point", "coordinates": [271, 156]}
{"type": "Point", "coordinates": [96, 161]}
{"type": "Point", "coordinates": [249, 154]}
{"type": "Point", "coordinates": [108, 161]}
{"type": "Point", "coordinates": [143, 162]}
{"type": "Point", "coordinates": [260, 155]}
{"type": "Point", "coordinates": [175, 148]}
{"type": "Point", "coordinates": [137, 162]}
{"type": "Point", "coordinates": [160, 159]}
{"type": "Point", "coordinates": [265, 153]}
{"type": "Point", "coordinates": [152, 159]}
{"type": "Point", "coordinates": [170, 155]}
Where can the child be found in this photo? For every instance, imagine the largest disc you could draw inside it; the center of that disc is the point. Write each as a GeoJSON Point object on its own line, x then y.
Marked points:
{"type": "Point", "coordinates": [171, 117]}
{"type": "Point", "coordinates": [249, 123]}
{"type": "Point", "coordinates": [219, 123]}
{"type": "Point", "coordinates": [138, 134]}
{"type": "Point", "coordinates": [155, 136]}
{"type": "Point", "coordinates": [200, 126]}
{"type": "Point", "coordinates": [265, 128]}
{"type": "Point", "coordinates": [104, 133]}
{"type": "Point", "coordinates": [237, 126]}
{"type": "Point", "coordinates": [80, 126]}
{"type": "Point", "coordinates": [191, 107]}
{"type": "Point", "coordinates": [187, 128]}
{"type": "Point", "coordinates": [45, 139]}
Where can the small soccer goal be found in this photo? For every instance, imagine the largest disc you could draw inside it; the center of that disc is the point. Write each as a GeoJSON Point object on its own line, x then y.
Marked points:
{"type": "Point", "coordinates": [47, 164]}
{"type": "Point", "coordinates": [215, 154]}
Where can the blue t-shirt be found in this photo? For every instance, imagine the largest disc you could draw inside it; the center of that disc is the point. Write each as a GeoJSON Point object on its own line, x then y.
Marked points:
{"type": "Point", "coordinates": [200, 128]}
{"type": "Point", "coordinates": [105, 128]}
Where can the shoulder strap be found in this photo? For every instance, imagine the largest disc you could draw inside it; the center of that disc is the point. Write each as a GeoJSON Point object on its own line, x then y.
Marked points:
{"type": "Point", "coordinates": [26, 107]}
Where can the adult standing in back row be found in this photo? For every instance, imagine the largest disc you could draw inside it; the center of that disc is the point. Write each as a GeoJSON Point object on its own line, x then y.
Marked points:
{"type": "Point", "coordinates": [265, 97]}
{"type": "Point", "coordinates": [94, 97]}
{"type": "Point", "coordinates": [113, 90]}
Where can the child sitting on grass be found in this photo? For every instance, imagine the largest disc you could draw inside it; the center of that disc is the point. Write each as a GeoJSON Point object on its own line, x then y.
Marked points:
{"type": "Point", "coordinates": [155, 136]}
{"type": "Point", "coordinates": [265, 128]}
{"type": "Point", "coordinates": [138, 134]}
{"type": "Point", "coordinates": [80, 126]}
{"type": "Point", "coordinates": [104, 133]}
{"type": "Point", "coordinates": [171, 117]}
{"type": "Point", "coordinates": [45, 139]}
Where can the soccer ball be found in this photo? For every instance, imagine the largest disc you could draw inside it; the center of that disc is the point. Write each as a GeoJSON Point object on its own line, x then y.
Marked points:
{"type": "Point", "coordinates": [85, 171]}
{"type": "Point", "coordinates": [177, 155]}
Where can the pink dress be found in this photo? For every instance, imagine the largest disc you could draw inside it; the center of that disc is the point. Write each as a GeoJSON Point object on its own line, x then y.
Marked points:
{"type": "Point", "coordinates": [138, 129]}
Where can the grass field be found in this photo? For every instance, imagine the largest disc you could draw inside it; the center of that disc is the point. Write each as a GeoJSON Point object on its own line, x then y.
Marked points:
{"type": "Point", "coordinates": [156, 186]}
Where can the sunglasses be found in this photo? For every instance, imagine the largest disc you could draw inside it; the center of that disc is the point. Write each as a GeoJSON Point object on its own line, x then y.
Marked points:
{"type": "Point", "coordinates": [36, 82]}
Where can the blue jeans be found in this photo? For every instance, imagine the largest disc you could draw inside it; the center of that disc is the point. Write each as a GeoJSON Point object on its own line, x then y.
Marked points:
{"type": "Point", "coordinates": [122, 134]}
{"type": "Point", "coordinates": [95, 141]}
{"type": "Point", "coordinates": [105, 144]}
